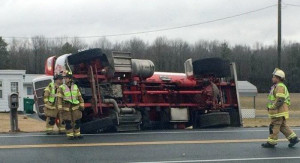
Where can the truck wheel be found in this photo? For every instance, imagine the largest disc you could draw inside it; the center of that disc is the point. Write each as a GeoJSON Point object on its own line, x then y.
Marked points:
{"type": "Point", "coordinates": [96, 125]}
{"type": "Point", "coordinates": [218, 119]}
{"type": "Point", "coordinates": [164, 118]}
{"type": "Point", "coordinates": [85, 56]}
{"type": "Point", "coordinates": [216, 66]}
{"type": "Point", "coordinates": [234, 117]}
{"type": "Point", "coordinates": [42, 117]}
{"type": "Point", "coordinates": [146, 124]}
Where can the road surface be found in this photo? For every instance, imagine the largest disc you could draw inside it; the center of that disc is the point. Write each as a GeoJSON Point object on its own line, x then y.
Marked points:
{"type": "Point", "coordinates": [172, 146]}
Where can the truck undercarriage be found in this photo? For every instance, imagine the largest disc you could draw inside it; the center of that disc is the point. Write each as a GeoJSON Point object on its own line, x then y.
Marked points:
{"type": "Point", "coordinates": [126, 94]}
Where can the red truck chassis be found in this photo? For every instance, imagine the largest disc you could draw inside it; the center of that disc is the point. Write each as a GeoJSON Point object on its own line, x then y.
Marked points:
{"type": "Point", "coordinates": [125, 94]}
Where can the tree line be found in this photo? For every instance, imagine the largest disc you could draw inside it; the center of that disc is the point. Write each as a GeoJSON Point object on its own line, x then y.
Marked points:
{"type": "Point", "coordinates": [254, 64]}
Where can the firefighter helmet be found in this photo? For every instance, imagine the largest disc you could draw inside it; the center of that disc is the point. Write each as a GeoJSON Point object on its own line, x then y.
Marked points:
{"type": "Point", "coordinates": [278, 72]}
{"type": "Point", "coordinates": [68, 74]}
{"type": "Point", "coordinates": [57, 76]}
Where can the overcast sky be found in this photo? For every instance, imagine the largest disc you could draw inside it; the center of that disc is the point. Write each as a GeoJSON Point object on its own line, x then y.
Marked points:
{"type": "Point", "coordinates": [53, 18]}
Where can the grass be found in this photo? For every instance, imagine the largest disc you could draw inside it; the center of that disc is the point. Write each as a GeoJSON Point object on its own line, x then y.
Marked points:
{"type": "Point", "coordinates": [264, 122]}
{"type": "Point", "coordinates": [261, 101]}
{"type": "Point", "coordinates": [25, 123]}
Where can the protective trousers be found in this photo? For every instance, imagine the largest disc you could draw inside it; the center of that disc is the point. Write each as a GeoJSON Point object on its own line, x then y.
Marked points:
{"type": "Point", "coordinates": [279, 125]}
{"type": "Point", "coordinates": [51, 117]}
{"type": "Point", "coordinates": [72, 120]}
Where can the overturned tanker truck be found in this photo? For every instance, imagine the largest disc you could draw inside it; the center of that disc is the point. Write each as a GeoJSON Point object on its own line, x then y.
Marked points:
{"type": "Point", "coordinates": [126, 94]}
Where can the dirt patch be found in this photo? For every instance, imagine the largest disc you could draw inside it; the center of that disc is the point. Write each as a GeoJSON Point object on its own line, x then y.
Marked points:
{"type": "Point", "coordinates": [264, 122]}
{"type": "Point", "coordinates": [293, 113]}
{"type": "Point", "coordinates": [261, 101]}
{"type": "Point", "coordinates": [26, 124]}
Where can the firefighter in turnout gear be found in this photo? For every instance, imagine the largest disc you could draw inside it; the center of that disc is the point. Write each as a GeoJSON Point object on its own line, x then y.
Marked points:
{"type": "Point", "coordinates": [71, 103]}
{"type": "Point", "coordinates": [50, 108]}
{"type": "Point", "coordinates": [278, 108]}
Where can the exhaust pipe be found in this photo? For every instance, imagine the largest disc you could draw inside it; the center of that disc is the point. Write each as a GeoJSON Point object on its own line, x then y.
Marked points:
{"type": "Point", "coordinates": [116, 107]}
{"type": "Point", "coordinates": [114, 102]}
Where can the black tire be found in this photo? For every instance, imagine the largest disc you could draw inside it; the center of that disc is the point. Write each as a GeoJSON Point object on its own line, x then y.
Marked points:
{"type": "Point", "coordinates": [218, 119]}
{"type": "Point", "coordinates": [216, 66]}
{"type": "Point", "coordinates": [42, 116]}
{"type": "Point", "coordinates": [96, 125]}
{"type": "Point", "coordinates": [164, 119]}
{"type": "Point", "coordinates": [146, 123]}
{"type": "Point", "coordinates": [234, 117]}
{"type": "Point", "coordinates": [92, 54]}
{"type": "Point", "coordinates": [86, 56]}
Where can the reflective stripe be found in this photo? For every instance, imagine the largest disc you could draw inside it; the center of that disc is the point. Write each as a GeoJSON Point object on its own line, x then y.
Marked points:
{"type": "Point", "coordinates": [66, 108]}
{"type": "Point", "coordinates": [280, 95]}
{"type": "Point", "coordinates": [70, 95]}
{"type": "Point", "coordinates": [50, 106]}
{"type": "Point", "coordinates": [286, 94]}
{"type": "Point", "coordinates": [272, 98]}
{"type": "Point", "coordinates": [59, 95]}
{"type": "Point", "coordinates": [73, 108]}
{"type": "Point", "coordinates": [77, 134]}
{"type": "Point", "coordinates": [82, 105]}
{"type": "Point", "coordinates": [61, 129]}
{"type": "Point", "coordinates": [49, 129]}
{"type": "Point", "coordinates": [293, 135]}
{"type": "Point", "coordinates": [70, 134]}
{"type": "Point", "coordinates": [283, 114]}
{"type": "Point", "coordinates": [272, 141]}
{"type": "Point", "coordinates": [52, 92]}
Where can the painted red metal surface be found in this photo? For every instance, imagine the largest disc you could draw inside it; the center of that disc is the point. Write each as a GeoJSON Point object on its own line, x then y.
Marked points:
{"type": "Point", "coordinates": [49, 66]}
{"type": "Point", "coordinates": [163, 89]}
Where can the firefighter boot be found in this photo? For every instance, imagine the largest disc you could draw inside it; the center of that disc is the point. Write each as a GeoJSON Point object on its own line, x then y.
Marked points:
{"type": "Point", "coordinates": [77, 130]}
{"type": "Point", "coordinates": [293, 142]}
{"type": "Point", "coordinates": [78, 135]}
{"type": "Point", "coordinates": [50, 121]}
{"type": "Point", "coordinates": [61, 128]}
{"type": "Point", "coordinates": [49, 131]}
{"type": "Point", "coordinates": [61, 131]}
{"type": "Point", "coordinates": [267, 145]}
{"type": "Point", "coordinates": [70, 136]}
{"type": "Point", "coordinates": [69, 130]}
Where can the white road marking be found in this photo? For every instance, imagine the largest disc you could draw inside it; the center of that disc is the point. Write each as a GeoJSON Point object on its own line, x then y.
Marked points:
{"type": "Point", "coordinates": [225, 160]}
{"type": "Point", "coordinates": [142, 133]}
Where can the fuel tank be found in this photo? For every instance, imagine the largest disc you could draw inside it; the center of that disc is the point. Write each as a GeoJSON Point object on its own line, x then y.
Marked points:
{"type": "Point", "coordinates": [142, 68]}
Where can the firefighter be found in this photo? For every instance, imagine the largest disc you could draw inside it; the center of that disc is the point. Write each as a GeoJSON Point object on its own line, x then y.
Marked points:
{"type": "Point", "coordinates": [71, 103]}
{"type": "Point", "coordinates": [278, 108]}
{"type": "Point", "coordinates": [50, 108]}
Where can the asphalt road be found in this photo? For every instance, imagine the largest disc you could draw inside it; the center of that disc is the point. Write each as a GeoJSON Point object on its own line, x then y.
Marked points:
{"type": "Point", "coordinates": [211, 145]}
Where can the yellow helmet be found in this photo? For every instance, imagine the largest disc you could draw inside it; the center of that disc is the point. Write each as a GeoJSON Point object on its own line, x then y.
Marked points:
{"type": "Point", "coordinates": [278, 72]}
{"type": "Point", "coordinates": [67, 74]}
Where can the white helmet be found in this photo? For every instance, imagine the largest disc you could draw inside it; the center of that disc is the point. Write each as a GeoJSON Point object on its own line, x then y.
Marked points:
{"type": "Point", "coordinates": [279, 73]}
